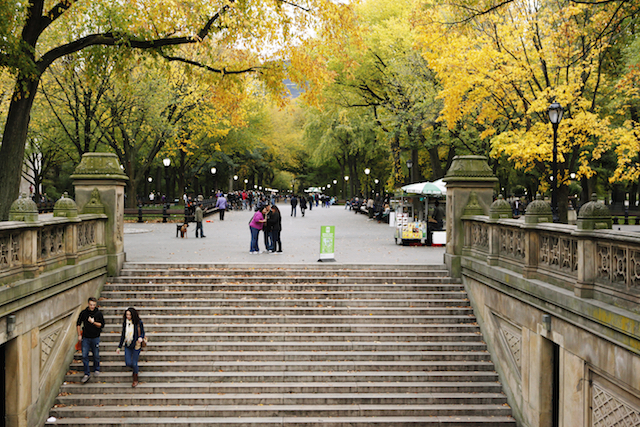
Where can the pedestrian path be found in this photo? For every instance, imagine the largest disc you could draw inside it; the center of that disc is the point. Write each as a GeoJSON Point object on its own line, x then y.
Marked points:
{"type": "Point", "coordinates": [357, 240]}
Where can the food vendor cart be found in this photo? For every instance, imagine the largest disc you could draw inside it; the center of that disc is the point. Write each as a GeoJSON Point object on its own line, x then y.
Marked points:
{"type": "Point", "coordinates": [412, 212]}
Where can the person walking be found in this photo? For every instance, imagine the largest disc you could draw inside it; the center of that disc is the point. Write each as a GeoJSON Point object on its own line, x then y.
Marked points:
{"type": "Point", "coordinates": [221, 204]}
{"type": "Point", "coordinates": [89, 325]}
{"type": "Point", "coordinates": [199, 218]}
{"type": "Point", "coordinates": [303, 204]}
{"type": "Point", "coordinates": [255, 225]}
{"type": "Point", "coordinates": [132, 337]}
{"type": "Point", "coordinates": [294, 205]}
{"type": "Point", "coordinates": [275, 221]}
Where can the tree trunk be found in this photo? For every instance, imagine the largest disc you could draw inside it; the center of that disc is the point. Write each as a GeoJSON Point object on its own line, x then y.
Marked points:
{"type": "Point", "coordinates": [397, 166]}
{"type": "Point", "coordinates": [436, 166]}
{"type": "Point", "coordinates": [14, 140]}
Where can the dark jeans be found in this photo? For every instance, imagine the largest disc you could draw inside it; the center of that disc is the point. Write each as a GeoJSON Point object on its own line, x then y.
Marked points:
{"type": "Point", "coordinates": [275, 241]}
{"type": "Point", "coordinates": [221, 214]}
{"type": "Point", "coordinates": [267, 239]}
{"type": "Point", "coordinates": [199, 227]}
{"type": "Point", "coordinates": [131, 358]}
{"type": "Point", "coordinates": [91, 345]}
{"type": "Point", "coordinates": [254, 239]}
{"type": "Point", "coordinates": [293, 210]}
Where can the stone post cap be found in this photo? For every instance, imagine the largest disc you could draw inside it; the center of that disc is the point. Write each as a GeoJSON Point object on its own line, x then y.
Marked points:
{"type": "Point", "coordinates": [65, 207]}
{"type": "Point", "coordinates": [594, 215]}
{"type": "Point", "coordinates": [99, 166]}
{"type": "Point", "coordinates": [473, 206]}
{"type": "Point", "coordinates": [23, 209]}
{"type": "Point", "coordinates": [538, 211]}
{"type": "Point", "coordinates": [470, 168]}
{"type": "Point", "coordinates": [500, 209]}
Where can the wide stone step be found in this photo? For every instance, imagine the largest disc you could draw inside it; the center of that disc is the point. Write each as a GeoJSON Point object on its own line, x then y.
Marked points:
{"type": "Point", "coordinates": [399, 421]}
{"type": "Point", "coordinates": [114, 325]}
{"type": "Point", "coordinates": [243, 266]}
{"type": "Point", "coordinates": [276, 294]}
{"type": "Point", "coordinates": [127, 399]}
{"type": "Point", "coordinates": [259, 272]}
{"type": "Point", "coordinates": [286, 376]}
{"type": "Point", "coordinates": [295, 319]}
{"type": "Point", "coordinates": [151, 285]}
{"type": "Point", "coordinates": [280, 301]}
{"type": "Point", "coordinates": [209, 310]}
{"type": "Point", "coordinates": [112, 333]}
{"type": "Point", "coordinates": [109, 343]}
{"type": "Point", "coordinates": [353, 410]}
{"type": "Point", "coordinates": [290, 280]}
{"type": "Point", "coordinates": [355, 356]}
{"type": "Point", "coordinates": [111, 362]}
{"type": "Point", "coordinates": [443, 382]}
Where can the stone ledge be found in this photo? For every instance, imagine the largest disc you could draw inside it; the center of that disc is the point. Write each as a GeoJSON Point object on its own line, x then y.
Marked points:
{"type": "Point", "coordinates": [606, 321]}
{"type": "Point", "coordinates": [21, 294]}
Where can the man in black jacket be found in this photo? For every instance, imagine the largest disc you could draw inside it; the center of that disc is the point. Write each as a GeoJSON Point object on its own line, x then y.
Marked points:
{"type": "Point", "coordinates": [90, 324]}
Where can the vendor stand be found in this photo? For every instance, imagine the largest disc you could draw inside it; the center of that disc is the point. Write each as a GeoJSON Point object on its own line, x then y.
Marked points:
{"type": "Point", "coordinates": [412, 212]}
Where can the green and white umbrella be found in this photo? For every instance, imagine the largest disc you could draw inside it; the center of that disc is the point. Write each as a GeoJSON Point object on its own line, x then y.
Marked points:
{"type": "Point", "coordinates": [426, 188]}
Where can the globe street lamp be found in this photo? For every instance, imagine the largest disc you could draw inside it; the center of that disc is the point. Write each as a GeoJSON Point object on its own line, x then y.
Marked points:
{"type": "Point", "coordinates": [213, 172]}
{"type": "Point", "coordinates": [246, 181]}
{"type": "Point", "coordinates": [555, 116]}
{"type": "Point", "coordinates": [367, 171]}
{"type": "Point", "coordinates": [346, 187]}
{"type": "Point", "coordinates": [409, 166]}
{"type": "Point", "coordinates": [166, 162]}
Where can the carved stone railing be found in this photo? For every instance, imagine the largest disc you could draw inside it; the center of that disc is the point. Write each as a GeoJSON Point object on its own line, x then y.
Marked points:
{"type": "Point", "coordinates": [27, 249]}
{"type": "Point", "coordinates": [598, 264]}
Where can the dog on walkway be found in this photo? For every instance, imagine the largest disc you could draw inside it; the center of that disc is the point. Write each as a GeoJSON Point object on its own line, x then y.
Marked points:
{"type": "Point", "coordinates": [182, 229]}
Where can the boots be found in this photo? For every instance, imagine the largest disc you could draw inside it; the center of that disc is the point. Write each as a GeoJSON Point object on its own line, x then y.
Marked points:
{"type": "Point", "coordinates": [135, 380]}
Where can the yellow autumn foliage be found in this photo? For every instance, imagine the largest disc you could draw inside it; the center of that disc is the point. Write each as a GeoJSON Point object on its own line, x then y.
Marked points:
{"type": "Point", "coordinates": [502, 69]}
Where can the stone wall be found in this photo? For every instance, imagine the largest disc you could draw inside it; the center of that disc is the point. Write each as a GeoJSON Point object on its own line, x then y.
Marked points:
{"type": "Point", "coordinates": [48, 269]}
{"type": "Point", "coordinates": [553, 296]}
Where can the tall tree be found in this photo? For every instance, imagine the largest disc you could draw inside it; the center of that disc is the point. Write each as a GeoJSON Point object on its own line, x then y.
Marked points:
{"type": "Point", "coordinates": [504, 64]}
{"type": "Point", "coordinates": [225, 37]}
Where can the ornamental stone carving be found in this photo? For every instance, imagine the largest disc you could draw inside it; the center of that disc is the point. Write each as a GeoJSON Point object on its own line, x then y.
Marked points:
{"type": "Point", "coordinates": [538, 211]}
{"type": "Point", "coordinates": [594, 216]}
{"type": "Point", "coordinates": [608, 410]}
{"type": "Point", "coordinates": [23, 209]}
{"type": "Point", "coordinates": [65, 207]}
{"type": "Point", "coordinates": [500, 209]}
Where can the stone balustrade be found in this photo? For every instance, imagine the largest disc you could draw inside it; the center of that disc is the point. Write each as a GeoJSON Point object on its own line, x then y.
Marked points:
{"type": "Point", "coordinates": [557, 304]}
{"type": "Point", "coordinates": [599, 264]}
{"type": "Point", "coordinates": [27, 249]}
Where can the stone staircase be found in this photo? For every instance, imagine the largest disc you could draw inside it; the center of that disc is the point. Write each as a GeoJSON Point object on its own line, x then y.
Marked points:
{"type": "Point", "coordinates": [290, 345]}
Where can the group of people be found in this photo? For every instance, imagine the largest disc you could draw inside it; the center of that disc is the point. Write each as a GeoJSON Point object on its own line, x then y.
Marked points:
{"type": "Point", "coordinates": [132, 337]}
{"type": "Point", "coordinates": [267, 219]}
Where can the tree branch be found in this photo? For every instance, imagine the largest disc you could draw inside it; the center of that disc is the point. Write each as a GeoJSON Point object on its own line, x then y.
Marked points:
{"type": "Point", "coordinates": [222, 71]}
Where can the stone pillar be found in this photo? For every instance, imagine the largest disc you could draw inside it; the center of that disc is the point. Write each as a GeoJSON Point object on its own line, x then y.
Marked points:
{"type": "Point", "coordinates": [99, 185]}
{"type": "Point", "coordinates": [467, 174]}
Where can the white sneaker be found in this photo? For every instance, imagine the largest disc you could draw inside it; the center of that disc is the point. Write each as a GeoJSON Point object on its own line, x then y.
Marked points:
{"type": "Point", "coordinates": [85, 379]}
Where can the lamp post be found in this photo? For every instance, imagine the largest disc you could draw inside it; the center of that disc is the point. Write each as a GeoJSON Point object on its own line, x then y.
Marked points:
{"type": "Point", "coordinates": [555, 116]}
{"type": "Point", "coordinates": [246, 181]}
{"type": "Point", "coordinates": [166, 162]}
{"type": "Point", "coordinates": [409, 166]}
{"type": "Point", "coordinates": [346, 187]}
{"type": "Point", "coordinates": [367, 171]}
{"type": "Point", "coordinates": [213, 172]}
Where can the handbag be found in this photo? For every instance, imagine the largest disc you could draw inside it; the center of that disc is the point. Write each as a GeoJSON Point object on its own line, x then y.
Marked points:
{"type": "Point", "coordinates": [143, 343]}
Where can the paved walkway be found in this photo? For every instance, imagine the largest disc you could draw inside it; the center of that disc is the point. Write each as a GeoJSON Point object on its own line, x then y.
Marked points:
{"type": "Point", "coordinates": [358, 241]}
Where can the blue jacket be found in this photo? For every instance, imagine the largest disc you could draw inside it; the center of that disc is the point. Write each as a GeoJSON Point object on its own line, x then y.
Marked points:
{"type": "Point", "coordinates": [135, 334]}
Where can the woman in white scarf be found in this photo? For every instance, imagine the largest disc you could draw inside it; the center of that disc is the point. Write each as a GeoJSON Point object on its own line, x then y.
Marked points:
{"type": "Point", "coordinates": [131, 337]}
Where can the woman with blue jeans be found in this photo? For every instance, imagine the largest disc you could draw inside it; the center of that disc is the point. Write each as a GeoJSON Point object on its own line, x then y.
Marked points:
{"type": "Point", "coordinates": [256, 224]}
{"type": "Point", "coordinates": [132, 336]}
